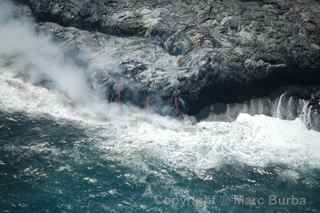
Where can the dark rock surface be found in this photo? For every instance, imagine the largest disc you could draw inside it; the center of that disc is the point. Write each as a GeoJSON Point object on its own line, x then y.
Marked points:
{"type": "Point", "coordinates": [288, 103]}
{"type": "Point", "coordinates": [114, 66]}
{"type": "Point", "coordinates": [226, 48]}
{"type": "Point", "coordinates": [200, 52]}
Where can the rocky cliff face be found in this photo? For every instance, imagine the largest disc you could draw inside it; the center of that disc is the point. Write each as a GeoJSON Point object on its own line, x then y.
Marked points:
{"type": "Point", "coordinates": [191, 53]}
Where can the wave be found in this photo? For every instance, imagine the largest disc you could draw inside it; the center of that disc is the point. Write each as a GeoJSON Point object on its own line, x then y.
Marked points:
{"type": "Point", "coordinates": [182, 144]}
{"type": "Point", "coordinates": [131, 134]}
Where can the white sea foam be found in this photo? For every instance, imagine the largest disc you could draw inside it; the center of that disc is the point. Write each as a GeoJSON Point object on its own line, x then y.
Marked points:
{"type": "Point", "coordinates": [253, 140]}
{"type": "Point", "coordinates": [138, 135]}
{"type": "Point", "coordinates": [135, 136]}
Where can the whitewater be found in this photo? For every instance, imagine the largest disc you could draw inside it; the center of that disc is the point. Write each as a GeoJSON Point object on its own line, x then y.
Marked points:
{"type": "Point", "coordinates": [254, 140]}
{"type": "Point", "coordinates": [128, 159]}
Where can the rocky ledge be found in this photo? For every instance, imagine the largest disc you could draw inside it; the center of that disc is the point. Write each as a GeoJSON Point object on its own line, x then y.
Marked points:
{"type": "Point", "coordinates": [190, 53]}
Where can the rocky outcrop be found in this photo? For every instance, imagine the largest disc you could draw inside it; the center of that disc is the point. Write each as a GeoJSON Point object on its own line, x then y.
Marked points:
{"type": "Point", "coordinates": [114, 69]}
{"type": "Point", "coordinates": [196, 52]}
{"type": "Point", "coordinates": [288, 103]}
{"type": "Point", "coordinates": [223, 49]}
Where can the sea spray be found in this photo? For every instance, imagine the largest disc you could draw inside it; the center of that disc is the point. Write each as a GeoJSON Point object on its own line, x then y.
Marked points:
{"type": "Point", "coordinates": [37, 59]}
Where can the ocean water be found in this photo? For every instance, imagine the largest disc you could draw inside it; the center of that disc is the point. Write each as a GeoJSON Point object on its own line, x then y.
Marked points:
{"type": "Point", "coordinates": [63, 148]}
{"type": "Point", "coordinates": [55, 157]}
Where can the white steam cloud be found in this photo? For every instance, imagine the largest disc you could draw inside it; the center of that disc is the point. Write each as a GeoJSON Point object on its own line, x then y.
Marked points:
{"type": "Point", "coordinates": [36, 58]}
{"type": "Point", "coordinates": [135, 136]}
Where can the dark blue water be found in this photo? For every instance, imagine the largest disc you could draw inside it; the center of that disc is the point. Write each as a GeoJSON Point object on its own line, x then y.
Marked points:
{"type": "Point", "coordinates": [54, 166]}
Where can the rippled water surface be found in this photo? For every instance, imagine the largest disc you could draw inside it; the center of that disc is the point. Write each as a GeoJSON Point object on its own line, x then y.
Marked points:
{"type": "Point", "coordinates": [64, 148]}
{"type": "Point", "coordinates": [57, 166]}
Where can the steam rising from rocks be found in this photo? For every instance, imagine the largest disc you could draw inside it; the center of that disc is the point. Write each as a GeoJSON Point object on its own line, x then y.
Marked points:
{"type": "Point", "coordinates": [37, 59]}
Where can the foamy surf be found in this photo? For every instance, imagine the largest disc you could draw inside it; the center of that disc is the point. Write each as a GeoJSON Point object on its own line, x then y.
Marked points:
{"type": "Point", "coordinates": [65, 148]}
{"type": "Point", "coordinates": [252, 140]}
